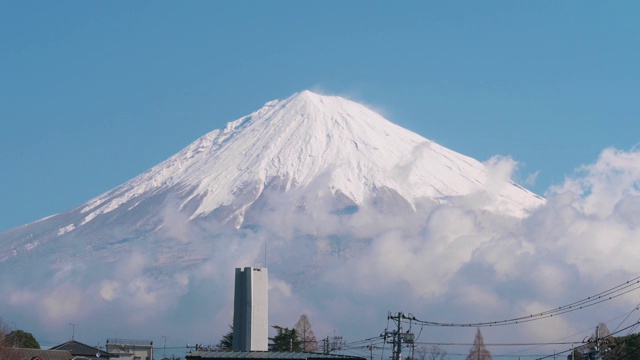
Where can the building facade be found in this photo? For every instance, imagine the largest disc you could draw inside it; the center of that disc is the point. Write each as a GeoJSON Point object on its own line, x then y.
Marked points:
{"type": "Point", "coordinates": [251, 310]}
{"type": "Point", "coordinates": [81, 351]}
{"type": "Point", "coordinates": [128, 349]}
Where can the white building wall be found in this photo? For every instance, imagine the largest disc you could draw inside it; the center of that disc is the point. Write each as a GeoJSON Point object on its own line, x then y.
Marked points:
{"type": "Point", "coordinates": [128, 349]}
{"type": "Point", "coordinates": [251, 310]}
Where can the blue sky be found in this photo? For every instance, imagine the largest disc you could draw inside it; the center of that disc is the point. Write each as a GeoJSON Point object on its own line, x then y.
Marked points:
{"type": "Point", "coordinates": [94, 93]}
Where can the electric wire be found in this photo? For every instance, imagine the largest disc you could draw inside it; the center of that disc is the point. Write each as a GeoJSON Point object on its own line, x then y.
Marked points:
{"type": "Point", "coordinates": [364, 340]}
{"type": "Point", "coordinates": [566, 337]}
{"type": "Point", "coordinates": [625, 319]}
{"type": "Point", "coordinates": [384, 344]}
{"type": "Point", "coordinates": [590, 342]}
{"type": "Point", "coordinates": [362, 346]}
{"type": "Point", "coordinates": [601, 297]}
{"type": "Point", "coordinates": [628, 315]}
{"type": "Point", "coordinates": [629, 353]}
{"type": "Point", "coordinates": [632, 351]}
{"type": "Point", "coordinates": [500, 344]}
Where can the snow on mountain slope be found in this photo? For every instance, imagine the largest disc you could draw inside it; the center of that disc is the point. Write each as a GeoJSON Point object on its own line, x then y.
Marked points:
{"type": "Point", "coordinates": [294, 141]}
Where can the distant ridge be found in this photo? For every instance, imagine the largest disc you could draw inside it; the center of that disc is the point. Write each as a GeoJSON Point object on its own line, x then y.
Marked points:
{"type": "Point", "coordinates": [316, 148]}
{"type": "Point", "coordinates": [307, 135]}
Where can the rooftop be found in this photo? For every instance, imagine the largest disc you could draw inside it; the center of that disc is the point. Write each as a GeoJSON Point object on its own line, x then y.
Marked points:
{"type": "Point", "coordinates": [27, 354]}
{"type": "Point", "coordinates": [129, 342]}
{"type": "Point", "coordinates": [79, 349]}
{"type": "Point", "coordinates": [267, 355]}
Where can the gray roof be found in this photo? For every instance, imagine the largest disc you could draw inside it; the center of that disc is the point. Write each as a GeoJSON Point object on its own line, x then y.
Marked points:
{"type": "Point", "coordinates": [271, 355]}
{"type": "Point", "coordinates": [79, 349]}
{"type": "Point", "coordinates": [113, 341]}
{"type": "Point", "coordinates": [26, 354]}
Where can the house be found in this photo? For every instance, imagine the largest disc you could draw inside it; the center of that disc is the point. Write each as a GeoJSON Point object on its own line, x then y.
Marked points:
{"type": "Point", "coordinates": [128, 349]}
{"type": "Point", "coordinates": [9, 353]}
{"type": "Point", "coordinates": [82, 351]}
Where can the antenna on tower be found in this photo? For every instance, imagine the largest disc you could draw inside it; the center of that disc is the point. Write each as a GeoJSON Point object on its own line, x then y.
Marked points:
{"type": "Point", "coordinates": [265, 253]}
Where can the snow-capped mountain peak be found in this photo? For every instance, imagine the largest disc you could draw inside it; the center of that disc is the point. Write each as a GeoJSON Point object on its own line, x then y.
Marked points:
{"type": "Point", "coordinates": [294, 141]}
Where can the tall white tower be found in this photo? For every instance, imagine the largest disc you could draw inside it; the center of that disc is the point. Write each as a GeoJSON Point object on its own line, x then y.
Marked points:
{"type": "Point", "coordinates": [251, 310]}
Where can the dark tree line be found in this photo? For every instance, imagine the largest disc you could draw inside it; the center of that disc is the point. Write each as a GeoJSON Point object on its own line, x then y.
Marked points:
{"type": "Point", "coordinates": [285, 340]}
{"type": "Point", "coordinates": [601, 345]}
{"type": "Point", "coordinates": [226, 343]}
{"type": "Point", "coordinates": [10, 341]}
{"type": "Point", "coordinates": [627, 347]}
{"type": "Point", "coordinates": [298, 338]}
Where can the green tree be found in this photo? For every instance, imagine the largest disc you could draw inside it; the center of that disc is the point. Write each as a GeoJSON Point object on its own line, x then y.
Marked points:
{"type": "Point", "coordinates": [628, 347]}
{"type": "Point", "coordinates": [306, 335]}
{"type": "Point", "coordinates": [285, 340]}
{"type": "Point", "coordinates": [577, 355]}
{"type": "Point", "coordinates": [4, 330]}
{"type": "Point", "coordinates": [22, 339]}
{"type": "Point", "coordinates": [7, 351]}
{"type": "Point", "coordinates": [478, 351]}
{"type": "Point", "coordinates": [226, 343]}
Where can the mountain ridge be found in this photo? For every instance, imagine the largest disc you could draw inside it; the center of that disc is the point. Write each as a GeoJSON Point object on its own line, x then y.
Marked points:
{"type": "Point", "coordinates": [284, 139]}
{"type": "Point", "coordinates": [307, 149]}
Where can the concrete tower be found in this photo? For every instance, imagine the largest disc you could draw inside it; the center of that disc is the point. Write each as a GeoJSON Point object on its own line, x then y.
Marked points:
{"type": "Point", "coordinates": [250, 310]}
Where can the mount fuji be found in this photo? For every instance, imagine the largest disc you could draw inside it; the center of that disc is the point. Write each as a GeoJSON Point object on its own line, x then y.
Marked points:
{"type": "Point", "coordinates": [320, 179]}
{"type": "Point", "coordinates": [314, 147]}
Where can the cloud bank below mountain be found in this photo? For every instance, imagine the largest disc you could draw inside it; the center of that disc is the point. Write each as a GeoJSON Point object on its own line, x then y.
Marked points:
{"type": "Point", "coordinates": [448, 262]}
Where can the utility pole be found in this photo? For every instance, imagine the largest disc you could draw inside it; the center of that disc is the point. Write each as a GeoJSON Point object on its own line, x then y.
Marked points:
{"type": "Point", "coordinates": [325, 346]}
{"type": "Point", "coordinates": [371, 348]}
{"type": "Point", "coordinates": [73, 331]}
{"type": "Point", "coordinates": [397, 336]}
{"type": "Point", "coordinates": [337, 343]}
{"type": "Point", "coordinates": [572, 352]}
{"type": "Point", "coordinates": [329, 344]}
{"type": "Point", "coordinates": [164, 346]}
{"type": "Point", "coordinates": [595, 352]}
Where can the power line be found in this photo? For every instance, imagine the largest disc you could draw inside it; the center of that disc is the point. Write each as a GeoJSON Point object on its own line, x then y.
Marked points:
{"type": "Point", "coordinates": [500, 344]}
{"type": "Point", "coordinates": [628, 315]}
{"type": "Point", "coordinates": [632, 351]}
{"type": "Point", "coordinates": [400, 317]}
{"type": "Point", "coordinates": [567, 337]}
{"type": "Point", "coordinates": [364, 340]}
{"type": "Point", "coordinates": [606, 295]}
{"type": "Point", "coordinates": [591, 342]}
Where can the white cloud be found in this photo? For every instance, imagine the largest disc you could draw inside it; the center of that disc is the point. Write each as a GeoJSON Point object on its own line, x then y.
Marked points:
{"type": "Point", "coordinates": [481, 298]}
{"type": "Point", "coordinates": [602, 185]}
{"type": "Point", "coordinates": [500, 169]}
{"type": "Point", "coordinates": [22, 297]}
{"type": "Point", "coordinates": [110, 289]}
{"type": "Point", "coordinates": [63, 302]}
{"type": "Point", "coordinates": [446, 262]}
{"type": "Point", "coordinates": [555, 328]}
{"type": "Point", "coordinates": [531, 179]}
